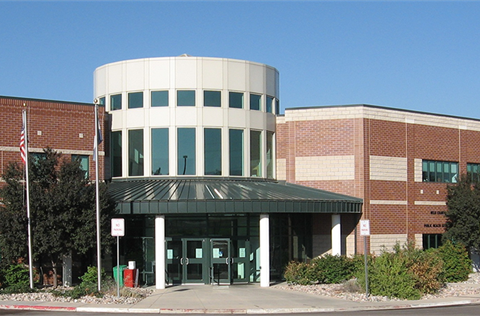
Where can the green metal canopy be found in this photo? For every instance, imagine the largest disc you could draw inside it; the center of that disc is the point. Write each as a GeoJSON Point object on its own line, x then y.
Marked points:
{"type": "Point", "coordinates": [225, 195]}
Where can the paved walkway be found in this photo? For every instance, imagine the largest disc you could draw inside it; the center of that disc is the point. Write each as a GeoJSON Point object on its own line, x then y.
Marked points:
{"type": "Point", "coordinates": [237, 299]}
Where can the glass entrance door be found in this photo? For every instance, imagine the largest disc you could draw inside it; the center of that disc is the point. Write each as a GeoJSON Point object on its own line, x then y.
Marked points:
{"type": "Point", "coordinates": [193, 261]}
{"type": "Point", "coordinates": [221, 261]}
{"type": "Point", "coordinates": [186, 261]}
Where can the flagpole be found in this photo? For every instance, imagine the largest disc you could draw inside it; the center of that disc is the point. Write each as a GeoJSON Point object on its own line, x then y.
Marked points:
{"type": "Point", "coordinates": [97, 190]}
{"type": "Point", "coordinates": [30, 259]}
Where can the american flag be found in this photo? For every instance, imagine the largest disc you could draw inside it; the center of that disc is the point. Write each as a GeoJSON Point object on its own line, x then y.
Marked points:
{"type": "Point", "coordinates": [22, 144]}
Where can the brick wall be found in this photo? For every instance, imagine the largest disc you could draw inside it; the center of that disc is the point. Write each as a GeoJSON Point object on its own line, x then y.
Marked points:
{"type": "Point", "coordinates": [387, 147]}
{"type": "Point", "coordinates": [67, 127]}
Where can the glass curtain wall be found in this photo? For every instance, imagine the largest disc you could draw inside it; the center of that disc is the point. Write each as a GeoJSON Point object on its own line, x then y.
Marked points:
{"type": "Point", "coordinates": [213, 151]}
{"type": "Point", "coordinates": [135, 152]}
{"type": "Point", "coordinates": [160, 151]}
{"type": "Point", "coordinates": [236, 152]}
{"type": "Point", "coordinates": [186, 151]}
{"type": "Point", "coordinates": [255, 153]}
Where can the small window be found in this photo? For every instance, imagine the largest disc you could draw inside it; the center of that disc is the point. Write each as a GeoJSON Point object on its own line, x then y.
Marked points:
{"type": "Point", "coordinates": [431, 241]}
{"type": "Point", "coordinates": [135, 100]}
{"type": "Point", "coordinates": [83, 163]}
{"type": "Point", "coordinates": [116, 102]}
{"type": "Point", "coordinates": [212, 98]}
{"type": "Point", "coordinates": [473, 171]}
{"type": "Point", "coordinates": [159, 98]}
{"type": "Point", "coordinates": [439, 171]}
{"type": "Point", "coordinates": [186, 98]}
{"type": "Point", "coordinates": [277, 106]}
{"type": "Point", "coordinates": [269, 105]}
{"type": "Point", "coordinates": [36, 157]}
{"type": "Point", "coordinates": [101, 101]}
{"type": "Point", "coordinates": [235, 100]}
{"type": "Point", "coordinates": [255, 102]}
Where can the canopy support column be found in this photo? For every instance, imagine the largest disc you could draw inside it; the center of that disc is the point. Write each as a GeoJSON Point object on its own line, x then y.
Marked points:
{"type": "Point", "coordinates": [264, 250]}
{"type": "Point", "coordinates": [160, 252]}
{"type": "Point", "coordinates": [336, 235]}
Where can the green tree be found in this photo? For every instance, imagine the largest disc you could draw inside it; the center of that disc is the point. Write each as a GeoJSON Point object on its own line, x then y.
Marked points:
{"type": "Point", "coordinates": [463, 215]}
{"type": "Point", "coordinates": [62, 210]}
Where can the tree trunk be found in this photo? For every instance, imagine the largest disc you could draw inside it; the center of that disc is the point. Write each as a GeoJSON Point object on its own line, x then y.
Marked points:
{"type": "Point", "coordinates": [55, 279]}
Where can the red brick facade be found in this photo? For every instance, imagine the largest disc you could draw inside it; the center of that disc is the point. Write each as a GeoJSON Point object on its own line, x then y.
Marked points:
{"type": "Point", "coordinates": [407, 206]}
{"type": "Point", "coordinates": [67, 127]}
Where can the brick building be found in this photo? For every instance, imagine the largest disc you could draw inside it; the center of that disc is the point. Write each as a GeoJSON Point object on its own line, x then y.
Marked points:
{"type": "Point", "coordinates": [399, 162]}
{"type": "Point", "coordinates": [199, 158]}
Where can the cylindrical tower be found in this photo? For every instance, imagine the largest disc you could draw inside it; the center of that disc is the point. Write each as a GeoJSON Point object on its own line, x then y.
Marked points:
{"type": "Point", "coordinates": [190, 116]}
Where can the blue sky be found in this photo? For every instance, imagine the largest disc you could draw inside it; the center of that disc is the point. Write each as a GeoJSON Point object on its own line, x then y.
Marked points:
{"type": "Point", "coordinates": [415, 55]}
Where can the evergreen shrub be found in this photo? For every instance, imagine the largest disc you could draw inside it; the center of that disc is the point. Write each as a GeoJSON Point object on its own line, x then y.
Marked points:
{"type": "Point", "coordinates": [457, 264]}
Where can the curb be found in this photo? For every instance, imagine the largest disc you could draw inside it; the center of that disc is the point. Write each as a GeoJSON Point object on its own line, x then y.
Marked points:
{"type": "Point", "coordinates": [39, 308]}
{"type": "Point", "coordinates": [235, 311]}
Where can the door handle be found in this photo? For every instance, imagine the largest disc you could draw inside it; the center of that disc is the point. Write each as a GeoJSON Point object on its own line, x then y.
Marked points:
{"type": "Point", "coordinates": [186, 261]}
{"type": "Point", "coordinates": [181, 261]}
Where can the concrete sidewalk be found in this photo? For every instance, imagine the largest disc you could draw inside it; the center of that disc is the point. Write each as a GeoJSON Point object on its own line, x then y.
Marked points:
{"type": "Point", "coordinates": [237, 299]}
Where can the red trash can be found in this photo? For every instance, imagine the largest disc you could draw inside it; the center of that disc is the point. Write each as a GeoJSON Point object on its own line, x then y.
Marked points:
{"type": "Point", "coordinates": [129, 277]}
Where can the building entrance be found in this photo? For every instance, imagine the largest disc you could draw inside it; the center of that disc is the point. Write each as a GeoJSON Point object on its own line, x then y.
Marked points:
{"type": "Point", "coordinates": [207, 261]}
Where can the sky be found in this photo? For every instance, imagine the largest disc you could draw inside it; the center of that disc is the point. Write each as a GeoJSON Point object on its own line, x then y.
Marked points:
{"type": "Point", "coordinates": [414, 55]}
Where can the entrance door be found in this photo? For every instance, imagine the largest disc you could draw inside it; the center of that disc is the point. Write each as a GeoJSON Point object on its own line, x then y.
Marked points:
{"type": "Point", "coordinates": [221, 261]}
{"type": "Point", "coordinates": [193, 261]}
{"type": "Point", "coordinates": [185, 260]}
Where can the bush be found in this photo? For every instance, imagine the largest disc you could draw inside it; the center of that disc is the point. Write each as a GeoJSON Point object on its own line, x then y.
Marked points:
{"type": "Point", "coordinates": [333, 269]}
{"type": "Point", "coordinates": [16, 275]}
{"type": "Point", "coordinates": [88, 286]}
{"type": "Point", "coordinates": [388, 276]}
{"type": "Point", "coordinates": [427, 269]}
{"type": "Point", "coordinates": [457, 264]}
{"type": "Point", "coordinates": [17, 288]}
{"type": "Point", "coordinates": [299, 273]}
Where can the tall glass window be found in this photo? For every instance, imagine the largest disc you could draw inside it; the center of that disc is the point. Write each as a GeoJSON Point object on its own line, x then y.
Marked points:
{"type": "Point", "coordinates": [159, 98]}
{"type": "Point", "coordinates": [84, 165]}
{"type": "Point", "coordinates": [116, 154]}
{"type": "Point", "coordinates": [135, 152]}
{"type": "Point", "coordinates": [186, 151]}
{"type": "Point", "coordinates": [185, 98]}
{"type": "Point", "coordinates": [213, 151]}
{"type": "Point", "coordinates": [270, 155]}
{"type": "Point", "coordinates": [255, 102]}
{"type": "Point", "coordinates": [269, 105]}
{"type": "Point", "coordinates": [116, 102]}
{"type": "Point", "coordinates": [160, 151]}
{"type": "Point", "coordinates": [212, 98]}
{"type": "Point", "coordinates": [135, 100]}
{"type": "Point", "coordinates": [255, 153]}
{"type": "Point", "coordinates": [235, 100]}
{"type": "Point", "coordinates": [236, 152]}
{"type": "Point", "coordinates": [277, 106]}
